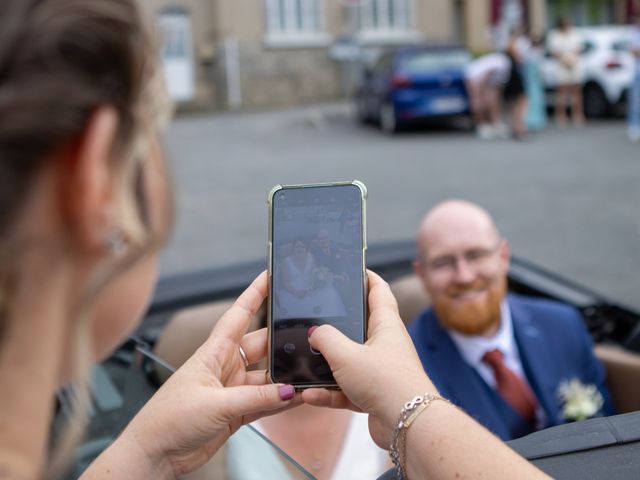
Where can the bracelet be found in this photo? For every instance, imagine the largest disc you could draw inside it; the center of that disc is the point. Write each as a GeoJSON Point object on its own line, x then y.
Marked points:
{"type": "Point", "coordinates": [408, 414]}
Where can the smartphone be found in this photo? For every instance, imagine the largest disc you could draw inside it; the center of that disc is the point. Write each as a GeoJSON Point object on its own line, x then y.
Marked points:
{"type": "Point", "coordinates": [317, 275]}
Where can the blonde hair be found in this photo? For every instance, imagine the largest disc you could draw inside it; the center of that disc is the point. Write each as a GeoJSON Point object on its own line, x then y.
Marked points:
{"type": "Point", "coordinates": [60, 60]}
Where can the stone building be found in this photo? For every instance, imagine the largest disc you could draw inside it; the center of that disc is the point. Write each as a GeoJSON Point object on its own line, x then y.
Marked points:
{"type": "Point", "coordinates": [234, 54]}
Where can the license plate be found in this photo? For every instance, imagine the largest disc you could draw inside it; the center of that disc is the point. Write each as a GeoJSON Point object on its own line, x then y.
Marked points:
{"type": "Point", "coordinates": [448, 104]}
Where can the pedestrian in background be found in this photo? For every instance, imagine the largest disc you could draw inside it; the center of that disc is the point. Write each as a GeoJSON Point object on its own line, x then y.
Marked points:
{"type": "Point", "coordinates": [514, 91]}
{"type": "Point", "coordinates": [485, 78]}
{"type": "Point", "coordinates": [566, 45]}
{"type": "Point", "coordinates": [634, 98]}
{"type": "Point", "coordinates": [536, 116]}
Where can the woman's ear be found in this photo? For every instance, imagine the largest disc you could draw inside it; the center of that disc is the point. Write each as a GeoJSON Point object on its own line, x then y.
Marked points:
{"type": "Point", "coordinates": [88, 188]}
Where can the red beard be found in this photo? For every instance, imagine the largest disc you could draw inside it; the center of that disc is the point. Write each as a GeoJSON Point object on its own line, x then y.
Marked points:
{"type": "Point", "coordinates": [473, 316]}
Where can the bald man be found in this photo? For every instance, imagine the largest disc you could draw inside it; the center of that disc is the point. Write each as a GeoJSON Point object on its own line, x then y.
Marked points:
{"type": "Point", "coordinates": [500, 357]}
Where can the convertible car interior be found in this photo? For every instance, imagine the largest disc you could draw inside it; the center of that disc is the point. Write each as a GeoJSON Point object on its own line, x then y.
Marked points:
{"type": "Point", "coordinates": [186, 307]}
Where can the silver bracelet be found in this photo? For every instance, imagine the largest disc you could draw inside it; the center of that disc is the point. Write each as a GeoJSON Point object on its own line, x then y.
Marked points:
{"type": "Point", "coordinates": [408, 414]}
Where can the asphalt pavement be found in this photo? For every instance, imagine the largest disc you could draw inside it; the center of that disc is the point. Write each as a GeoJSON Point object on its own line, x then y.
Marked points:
{"type": "Point", "coordinates": [566, 199]}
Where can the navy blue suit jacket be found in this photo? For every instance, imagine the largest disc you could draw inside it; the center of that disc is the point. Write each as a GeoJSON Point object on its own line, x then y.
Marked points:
{"type": "Point", "coordinates": [554, 345]}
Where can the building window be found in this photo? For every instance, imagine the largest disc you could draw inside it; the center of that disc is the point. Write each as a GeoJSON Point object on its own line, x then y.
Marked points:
{"type": "Point", "coordinates": [295, 21]}
{"type": "Point", "coordinates": [385, 15]}
{"type": "Point", "coordinates": [386, 22]}
{"type": "Point", "coordinates": [582, 12]}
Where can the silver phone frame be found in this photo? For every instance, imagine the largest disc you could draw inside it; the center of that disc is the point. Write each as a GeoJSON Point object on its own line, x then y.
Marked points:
{"type": "Point", "coordinates": [363, 193]}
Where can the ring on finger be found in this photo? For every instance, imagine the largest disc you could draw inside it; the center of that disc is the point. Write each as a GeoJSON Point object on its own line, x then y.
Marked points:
{"type": "Point", "coordinates": [243, 356]}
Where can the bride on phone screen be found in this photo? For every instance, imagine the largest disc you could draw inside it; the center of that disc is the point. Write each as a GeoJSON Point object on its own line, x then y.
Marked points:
{"type": "Point", "coordinates": [307, 289]}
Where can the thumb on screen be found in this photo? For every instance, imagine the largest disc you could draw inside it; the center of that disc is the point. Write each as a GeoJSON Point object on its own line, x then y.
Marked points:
{"type": "Point", "coordinates": [336, 347]}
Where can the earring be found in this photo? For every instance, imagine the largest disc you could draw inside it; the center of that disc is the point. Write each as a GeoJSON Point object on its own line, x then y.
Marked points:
{"type": "Point", "coordinates": [116, 243]}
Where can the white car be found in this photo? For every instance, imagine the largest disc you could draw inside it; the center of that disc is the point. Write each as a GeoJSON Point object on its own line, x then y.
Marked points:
{"type": "Point", "coordinates": [608, 67]}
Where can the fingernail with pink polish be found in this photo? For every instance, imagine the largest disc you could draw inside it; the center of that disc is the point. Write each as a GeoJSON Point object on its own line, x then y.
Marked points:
{"type": "Point", "coordinates": [286, 392]}
{"type": "Point", "coordinates": [311, 330]}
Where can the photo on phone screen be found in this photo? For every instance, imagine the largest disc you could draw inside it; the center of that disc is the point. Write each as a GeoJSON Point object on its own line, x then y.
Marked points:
{"type": "Point", "coordinates": [317, 250]}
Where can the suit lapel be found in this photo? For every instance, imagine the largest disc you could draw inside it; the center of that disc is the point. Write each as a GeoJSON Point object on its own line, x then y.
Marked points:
{"type": "Point", "coordinates": [457, 380]}
{"type": "Point", "coordinates": [537, 366]}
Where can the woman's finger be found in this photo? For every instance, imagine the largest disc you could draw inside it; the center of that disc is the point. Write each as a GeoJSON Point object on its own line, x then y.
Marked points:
{"type": "Point", "coordinates": [254, 345]}
{"type": "Point", "coordinates": [380, 295]}
{"type": "Point", "coordinates": [335, 346]}
{"type": "Point", "coordinates": [321, 397]}
{"type": "Point", "coordinates": [234, 323]}
{"type": "Point", "coordinates": [257, 377]}
{"type": "Point", "coordinates": [383, 306]}
{"type": "Point", "coordinates": [246, 400]}
{"type": "Point", "coordinates": [297, 400]}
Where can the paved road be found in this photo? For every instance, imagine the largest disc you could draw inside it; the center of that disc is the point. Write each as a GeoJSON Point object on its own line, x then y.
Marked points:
{"type": "Point", "coordinates": [568, 199]}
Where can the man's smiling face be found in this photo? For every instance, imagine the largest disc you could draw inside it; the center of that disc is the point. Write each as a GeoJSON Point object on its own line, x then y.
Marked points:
{"type": "Point", "coordinates": [463, 264]}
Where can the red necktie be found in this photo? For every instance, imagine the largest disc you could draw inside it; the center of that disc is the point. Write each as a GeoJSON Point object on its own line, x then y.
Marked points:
{"type": "Point", "coordinates": [514, 390]}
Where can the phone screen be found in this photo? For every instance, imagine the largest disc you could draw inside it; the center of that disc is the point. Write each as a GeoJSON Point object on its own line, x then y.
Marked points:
{"type": "Point", "coordinates": [317, 276]}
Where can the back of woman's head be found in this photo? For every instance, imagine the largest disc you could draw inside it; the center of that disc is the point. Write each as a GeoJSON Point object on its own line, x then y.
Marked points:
{"type": "Point", "coordinates": [59, 61]}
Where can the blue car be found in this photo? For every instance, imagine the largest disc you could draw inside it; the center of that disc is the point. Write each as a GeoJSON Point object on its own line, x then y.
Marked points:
{"type": "Point", "coordinates": [411, 83]}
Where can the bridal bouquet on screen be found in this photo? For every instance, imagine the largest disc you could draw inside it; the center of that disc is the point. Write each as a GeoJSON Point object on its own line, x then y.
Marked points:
{"type": "Point", "coordinates": [321, 277]}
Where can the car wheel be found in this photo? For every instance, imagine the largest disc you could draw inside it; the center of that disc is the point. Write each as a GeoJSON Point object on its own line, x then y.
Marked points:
{"type": "Point", "coordinates": [388, 120]}
{"type": "Point", "coordinates": [595, 101]}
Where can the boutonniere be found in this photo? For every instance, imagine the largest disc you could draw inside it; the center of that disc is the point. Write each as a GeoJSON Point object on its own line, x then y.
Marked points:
{"type": "Point", "coordinates": [579, 401]}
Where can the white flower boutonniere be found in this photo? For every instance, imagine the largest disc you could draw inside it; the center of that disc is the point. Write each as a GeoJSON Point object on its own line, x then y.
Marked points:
{"type": "Point", "coordinates": [579, 401]}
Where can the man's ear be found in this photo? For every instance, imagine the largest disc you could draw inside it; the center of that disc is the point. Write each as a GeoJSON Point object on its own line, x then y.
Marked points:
{"type": "Point", "coordinates": [505, 252]}
{"type": "Point", "coordinates": [87, 191]}
{"type": "Point", "coordinates": [418, 267]}
{"type": "Point", "coordinates": [420, 271]}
